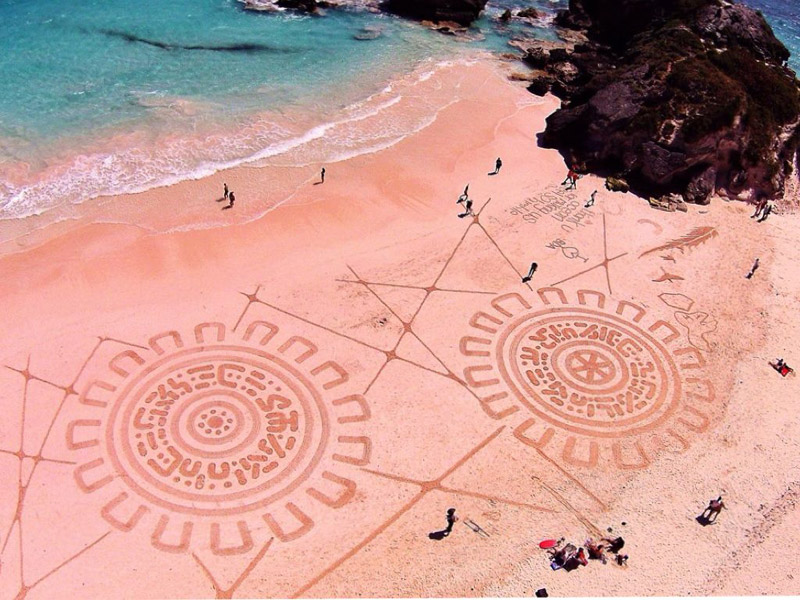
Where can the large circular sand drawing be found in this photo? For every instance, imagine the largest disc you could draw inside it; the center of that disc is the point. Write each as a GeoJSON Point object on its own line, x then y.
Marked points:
{"type": "Point", "coordinates": [217, 429]}
{"type": "Point", "coordinates": [200, 429]}
{"type": "Point", "coordinates": [597, 376]}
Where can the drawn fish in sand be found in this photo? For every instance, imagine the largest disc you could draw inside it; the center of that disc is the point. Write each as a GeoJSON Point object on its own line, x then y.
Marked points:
{"type": "Point", "coordinates": [696, 237]}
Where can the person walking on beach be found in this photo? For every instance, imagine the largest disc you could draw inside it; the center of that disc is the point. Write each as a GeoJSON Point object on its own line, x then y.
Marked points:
{"type": "Point", "coordinates": [322, 175]}
{"type": "Point", "coordinates": [463, 196]}
{"type": "Point", "coordinates": [752, 270]}
{"type": "Point", "coordinates": [467, 209]}
{"type": "Point", "coordinates": [451, 520]}
{"type": "Point", "coordinates": [225, 191]}
{"type": "Point", "coordinates": [497, 164]}
{"type": "Point", "coordinates": [760, 206]}
{"type": "Point", "coordinates": [572, 179]}
{"type": "Point", "coordinates": [232, 199]}
{"type": "Point", "coordinates": [590, 202]}
{"type": "Point", "coordinates": [712, 510]}
{"type": "Point", "coordinates": [532, 270]}
{"type": "Point", "coordinates": [766, 212]}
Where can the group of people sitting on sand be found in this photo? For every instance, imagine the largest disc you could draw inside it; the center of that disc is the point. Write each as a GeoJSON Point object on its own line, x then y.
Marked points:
{"type": "Point", "coordinates": [570, 557]}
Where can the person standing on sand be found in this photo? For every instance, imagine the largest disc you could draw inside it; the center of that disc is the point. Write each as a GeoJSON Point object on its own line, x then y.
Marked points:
{"type": "Point", "coordinates": [590, 202]}
{"type": "Point", "coordinates": [322, 175]}
{"type": "Point", "coordinates": [713, 509]}
{"type": "Point", "coordinates": [463, 196]}
{"type": "Point", "coordinates": [766, 212]}
{"type": "Point", "coordinates": [225, 191]}
{"type": "Point", "coordinates": [752, 270]}
{"type": "Point", "coordinates": [451, 520]}
{"type": "Point", "coordinates": [467, 209]}
{"type": "Point", "coordinates": [760, 205]}
{"type": "Point", "coordinates": [532, 270]}
{"type": "Point", "coordinates": [232, 199]}
{"type": "Point", "coordinates": [572, 179]}
{"type": "Point", "coordinates": [497, 164]}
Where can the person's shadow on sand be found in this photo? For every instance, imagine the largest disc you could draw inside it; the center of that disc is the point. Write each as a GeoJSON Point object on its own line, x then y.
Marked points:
{"type": "Point", "coordinates": [704, 520]}
{"type": "Point", "coordinates": [227, 207]}
{"type": "Point", "coordinates": [221, 199]}
{"type": "Point", "coordinates": [451, 519]}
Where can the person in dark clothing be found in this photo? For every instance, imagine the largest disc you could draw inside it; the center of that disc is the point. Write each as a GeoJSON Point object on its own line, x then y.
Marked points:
{"type": "Point", "coordinates": [614, 545]}
{"type": "Point", "coordinates": [752, 270]}
{"type": "Point", "coordinates": [532, 270]}
{"type": "Point", "coordinates": [463, 196]}
{"type": "Point", "coordinates": [451, 520]}
{"type": "Point", "coordinates": [467, 209]}
{"type": "Point", "coordinates": [497, 164]}
{"type": "Point", "coordinates": [712, 510]}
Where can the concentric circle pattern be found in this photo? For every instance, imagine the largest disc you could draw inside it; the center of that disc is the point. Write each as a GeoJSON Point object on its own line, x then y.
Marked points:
{"type": "Point", "coordinates": [589, 372]}
{"type": "Point", "coordinates": [595, 379]}
{"type": "Point", "coordinates": [214, 428]}
{"type": "Point", "coordinates": [219, 440]}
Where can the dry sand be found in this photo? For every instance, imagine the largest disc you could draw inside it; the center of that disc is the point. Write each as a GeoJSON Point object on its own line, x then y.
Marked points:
{"type": "Point", "coordinates": [287, 405]}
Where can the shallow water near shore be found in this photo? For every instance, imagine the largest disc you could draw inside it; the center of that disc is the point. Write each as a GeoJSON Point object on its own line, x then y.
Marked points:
{"type": "Point", "coordinates": [97, 99]}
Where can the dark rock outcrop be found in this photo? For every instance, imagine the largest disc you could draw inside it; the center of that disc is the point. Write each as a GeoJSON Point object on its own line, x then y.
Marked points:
{"type": "Point", "coordinates": [309, 6]}
{"type": "Point", "coordinates": [462, 12]}
{"type": "Point", "coordinates": [687, 96]}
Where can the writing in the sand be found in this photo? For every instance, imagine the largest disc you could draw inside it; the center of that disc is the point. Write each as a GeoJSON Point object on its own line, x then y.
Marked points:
{"type": "Point", "coordinates": [568, 251]}
{"type": "Point", "coordinates": [558, 203]}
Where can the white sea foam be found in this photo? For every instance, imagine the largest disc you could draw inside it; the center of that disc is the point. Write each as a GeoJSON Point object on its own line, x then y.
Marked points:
{"type": "Point", "coordinates": [119, 166]}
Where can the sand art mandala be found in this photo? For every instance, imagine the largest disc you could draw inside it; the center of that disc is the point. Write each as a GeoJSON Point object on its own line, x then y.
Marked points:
{"type": "Point", "coordinates": [595, 375]}
{"type": "Point", "coordinates": [204, 430]}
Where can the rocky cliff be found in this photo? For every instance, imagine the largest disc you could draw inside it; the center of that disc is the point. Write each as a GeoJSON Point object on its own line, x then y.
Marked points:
{"type": "Point", "coordinates": [462, 12]}
{"type": "Point", "coordinates": [675, 96]}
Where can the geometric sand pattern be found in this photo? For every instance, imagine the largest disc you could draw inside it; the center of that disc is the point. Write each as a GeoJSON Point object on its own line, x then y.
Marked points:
{"type": "Point", "coordinates": [225, 443]}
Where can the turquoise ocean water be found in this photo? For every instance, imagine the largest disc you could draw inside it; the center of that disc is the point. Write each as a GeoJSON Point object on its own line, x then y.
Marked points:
{"type": "Point", "coordinates": [107, 96]}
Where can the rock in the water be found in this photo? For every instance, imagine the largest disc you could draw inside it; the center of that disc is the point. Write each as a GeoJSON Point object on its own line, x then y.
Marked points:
{"type": "Point", "coordinates": [677, 96]}
{"type": "Point", "coordinates": [309, 6]}
{"type": "Point", "coordinates": [506, 16]}
{"type": "Point", "coordinates": [536, 57]}
{"type": "Point", "coordinates": [528, 13]}
{"type": "Point", "coordinates": [462, 12]}
{"type": "Point", "coordinates": [540, 85]}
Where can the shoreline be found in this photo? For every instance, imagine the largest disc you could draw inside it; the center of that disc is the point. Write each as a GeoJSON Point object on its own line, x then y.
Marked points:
{"type": "Point", "coordinates": [289, 169]}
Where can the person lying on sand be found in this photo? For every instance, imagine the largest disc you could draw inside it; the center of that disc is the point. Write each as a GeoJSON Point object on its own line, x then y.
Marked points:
{"type": "Point", "coordinates": [561, 555]}
{"type": "Point", "coordinates": [596, 551]}
{"type": "Point", "coordinates": [614, 545]}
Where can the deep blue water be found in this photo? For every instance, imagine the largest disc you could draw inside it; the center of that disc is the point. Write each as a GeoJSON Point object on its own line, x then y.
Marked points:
{"type": "Point", "coordinates": [784, 17]}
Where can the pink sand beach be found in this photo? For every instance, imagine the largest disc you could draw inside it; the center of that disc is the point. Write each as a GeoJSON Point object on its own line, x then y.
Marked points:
{"type": "Point", "coordinates": [283, 399]}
